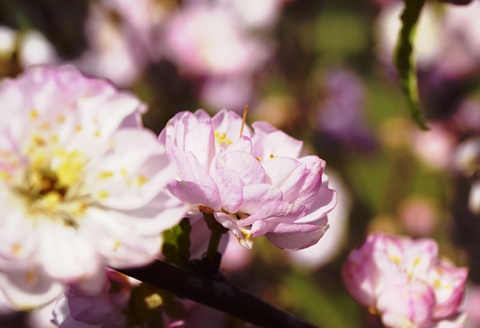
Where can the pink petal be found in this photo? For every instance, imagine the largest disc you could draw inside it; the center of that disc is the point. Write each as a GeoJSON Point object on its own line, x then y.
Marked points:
{"type": "Point", "coordinates": [229, 184]}
{"type": "Point", "coordinates": [29, 289]}
{"type": "Point", "coordinates": [301, 236]}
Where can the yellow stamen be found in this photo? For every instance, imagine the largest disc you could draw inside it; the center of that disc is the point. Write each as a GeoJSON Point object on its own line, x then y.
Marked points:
{"type": "Point", "coordinates": [153, 301]}
{"type": "Point", "coordinates": [31, 277]}
{"type": "Point", "coordinates": [103, 194]}
{"type": "Point", "coordinates": [15, 249]}
{"type": "Point", "coordinates": [105, 175]}
{"type": "Point", "coordinates": [70, 167]}
{"type": "Point", "coordinates": [45, 126]}
{"type": "Point", "coordinates": [54, 138]}
{"type": "Point", "coordinates": [51, 200]}
{"type": "Point", "coordinates": [416, 261]}
{"type": "Point", "coordinates": [221, 138]}
{"type": "Point", "coordinates": [141, 180]}
{"type": "Point", "coordinates": [33, 115]}
{"type": "Point", "coordinates": [395, 259]}
{"type": "Point", "coordinates": [5, 176]}
{"type": "Point", "coordinates": [38, 141]}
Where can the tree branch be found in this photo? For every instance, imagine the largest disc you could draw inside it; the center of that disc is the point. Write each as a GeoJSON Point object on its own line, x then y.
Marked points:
{"type": "Point", "coordinates": [218, 294]}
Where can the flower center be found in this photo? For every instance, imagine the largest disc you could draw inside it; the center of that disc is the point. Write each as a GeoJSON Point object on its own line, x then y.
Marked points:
{"type": "Point", "coordinates": [52, 186]}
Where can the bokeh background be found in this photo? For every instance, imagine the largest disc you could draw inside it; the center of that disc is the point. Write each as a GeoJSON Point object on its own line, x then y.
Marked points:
{"type": "Point", "coordinates": [322, 72]}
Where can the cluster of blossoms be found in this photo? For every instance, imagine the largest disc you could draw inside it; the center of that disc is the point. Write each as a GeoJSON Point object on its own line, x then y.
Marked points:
{"type": "Point", "coordinates": [84, 186]}
{"type": "Point", "coordinates": [224, 42]}
{"type": "Point", "coordinates": [404, 281]}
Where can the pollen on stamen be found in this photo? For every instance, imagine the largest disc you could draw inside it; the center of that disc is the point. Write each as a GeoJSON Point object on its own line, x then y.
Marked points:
{"type": "Point", "coordinates": [54, 138]}
{"type": "Point", "coordinates": [31, 277]}
{"type": "Point", "coordinates": [103, 194]}
{"type": "Point", "coordinates": [153, 301]}
{"type": "Point", "coordinates": [141, 180]}
{"type": "Point", "coordinates": [416, 261]}
{"type": "Point", "coordinates": [97, 133]}
{"type": "Point", "coordinates": [39, 141]}
{"type": "Point", "coordinates": [52, 199]}
{"type": "Point", "coordinates": [395, 259]}
{"type": "Point", "coordinates": [5, 176]}
{"type": "Point", "coordinates": [117, 244]}
{"type": "Point", "coordinates": [221, 138]}
{"type": "Point", "coordinates": [78, 128]}
{"type": "Point", "coordinates": [33, 115]}
{"type": "Point", "coordinates": [61, 118]}
{"type": "Point", "coordinates": [80, 208]}
{"type": "Point", "coordinates": [105, 175]}
{"type": "Point", "coordinates": [45, 126]}
{"type": "Point", "coordinates": [15, 249]}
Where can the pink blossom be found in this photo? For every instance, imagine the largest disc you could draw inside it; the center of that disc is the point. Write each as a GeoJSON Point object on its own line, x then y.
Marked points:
{"type": "Point", "coordinates": [78, 188]}
{"type": "Point", "coordinates": [329, 246]}
{"type": "Point", "coordinates": [254, 182]}
{"type": "Point", "coordinates": [106, 309]}
{"type": "Point", "coordinates": [208, 40]}
{"type": "Point", "coordinates": [465, 162]}
{"type": "Point", "coordinates": [434, 147]}
{"type": "Point", "coordinates": [404, 281]}
{"type": "Point", "coordinates": [255, 14]}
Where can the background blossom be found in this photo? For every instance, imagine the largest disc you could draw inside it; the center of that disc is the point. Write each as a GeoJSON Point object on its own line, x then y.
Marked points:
{"type": "Point", "coordinates": [404, 281]}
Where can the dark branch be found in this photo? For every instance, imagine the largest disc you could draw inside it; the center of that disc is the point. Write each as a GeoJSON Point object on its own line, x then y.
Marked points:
{"type": "Point", "coordinates": [218, 294]}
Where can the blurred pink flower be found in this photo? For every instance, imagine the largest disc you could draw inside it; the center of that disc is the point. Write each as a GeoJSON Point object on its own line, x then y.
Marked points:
{"type": "Point", "coordinates": [105, 309]}
{"type": "Point", "coordinates": [255, 14]}
{"type": "Point", "coordinates": [207, 39]}
{"type": "Point", "coordinates": [227, 92]}
{"type": "Point", "coordinates": [418, 216]}
{"type": "Point", "coordinates": [341, 116]}
{"type": "Point", "coordinates": [461, 37]}
{"type": "Point", "coordinates": [123, 37]}
{"type": "Point", "coordinates": [465, 161]}
{"type": "Point", "coordinates": [434, 147]}
{"type": "Point", "coordinates": [254, 183]}
{"type": "Point", "coordinates": [404, 281]}
{"type": "Point", "coordinates": [78, 187]}
{"type": "Point", "coordinates": [447, 41]}
{"type": "Point", "coordinates": [471, 305]}
{"type": "Point", "coordinates": [428, 41]}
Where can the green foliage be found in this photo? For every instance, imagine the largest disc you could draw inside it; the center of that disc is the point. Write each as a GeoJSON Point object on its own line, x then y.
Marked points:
{"type": "Point", "coordinates": [176, 246]}
{"type": "Point", "coordinates": [404, 61]}
{"type": "Point", "coordinates": [322, 308]}
{"type": "Point", "coordinates": [340, 33]}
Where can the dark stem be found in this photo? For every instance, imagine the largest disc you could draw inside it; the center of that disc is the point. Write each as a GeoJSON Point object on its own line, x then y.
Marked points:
{"type": "Point", "coordinates": [218, 294]}
{"type": "Point", "coordinates": [217, 231]}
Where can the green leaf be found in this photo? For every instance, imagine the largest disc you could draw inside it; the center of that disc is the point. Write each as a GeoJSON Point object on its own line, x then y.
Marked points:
{"type": "Point", "coordinates": [176, 245]}
{"type": "Point", "coordinates": [404, 61]}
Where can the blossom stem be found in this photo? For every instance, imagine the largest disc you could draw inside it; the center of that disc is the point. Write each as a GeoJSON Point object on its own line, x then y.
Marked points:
{"type": "Point", "coordinates": [217, 231]}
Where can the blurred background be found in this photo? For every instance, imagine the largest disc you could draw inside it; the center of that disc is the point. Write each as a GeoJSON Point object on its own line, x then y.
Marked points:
{"type": "Point", "coordinates": [322, 72]}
